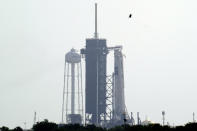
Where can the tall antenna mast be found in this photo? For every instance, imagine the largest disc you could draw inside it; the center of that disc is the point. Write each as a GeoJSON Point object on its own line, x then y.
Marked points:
{"type": "Point", "coordinates": [96, 33]}
{"type": "Point", "coordinates": [194, 117]}
{"type": "Point", "coordinates": [163, 114]}
{"type": "Point", "coordinates": [34, 118]}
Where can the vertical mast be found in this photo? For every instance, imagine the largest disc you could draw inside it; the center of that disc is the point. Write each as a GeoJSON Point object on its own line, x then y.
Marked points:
{"type": "Point", "coordinates": [96, 33]}
{"type": "Point", "coordinates": [96, 37]}
{"type": "Point", "coordinates": [73, 88]}
{"type": "Point", "coordinates": [34, 118]}
{"type": "Point", "coordinates": [194, 117]}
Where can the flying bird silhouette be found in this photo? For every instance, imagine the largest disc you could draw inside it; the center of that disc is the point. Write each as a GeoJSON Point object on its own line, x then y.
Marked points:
{"type": "Point", "coordinates": [130, 15]}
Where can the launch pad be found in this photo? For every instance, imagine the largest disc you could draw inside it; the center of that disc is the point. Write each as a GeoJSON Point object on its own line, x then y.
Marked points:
{"type": "Point", "coordinates": [104, 94]}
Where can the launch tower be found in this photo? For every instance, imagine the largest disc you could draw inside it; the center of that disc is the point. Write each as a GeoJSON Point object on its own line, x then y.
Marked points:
{"type": "Point", "coordinates": [95, 56]}
{"type": "Point", "coordinates": [105, 101]}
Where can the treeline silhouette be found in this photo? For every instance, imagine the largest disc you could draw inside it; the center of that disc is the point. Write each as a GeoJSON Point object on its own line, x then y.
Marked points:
{"type": "Point", "coordinates": [50, 126]}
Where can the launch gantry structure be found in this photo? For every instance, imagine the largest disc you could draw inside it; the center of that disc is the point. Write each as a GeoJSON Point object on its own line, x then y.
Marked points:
{"type": "Point", "coordinates": [105, 100]}
{"type": "Point", "coordinates": [104, 94]}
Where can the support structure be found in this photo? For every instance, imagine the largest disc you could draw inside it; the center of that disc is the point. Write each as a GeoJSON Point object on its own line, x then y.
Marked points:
{"type": "Point", "coordinates": [194, 118]}
{"type": "Point", "coordinates": [105, 100]}
{"type": "Point", "coordinates": [72, 105]}
{"type": "Point", "coordinates": [35, 118]}
{"type": "Point", "coordinates": [95, 89]}
{"type": "Point", "coordinates": [109, 97]}
{"type": "Point", "coordinates": [96, 62]}
{"type": "Point", "coordinates": [138, 119]}
{"type": "Point", "coordinates": [163, 117]}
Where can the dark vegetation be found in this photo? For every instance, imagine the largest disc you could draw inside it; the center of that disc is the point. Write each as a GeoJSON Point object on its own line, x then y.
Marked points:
{"type": "Point", "coordinates": [50, 126]}
{"type": "Point", "coordinates": [7, 129]}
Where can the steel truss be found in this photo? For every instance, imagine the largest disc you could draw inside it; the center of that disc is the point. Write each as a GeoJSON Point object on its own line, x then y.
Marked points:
{"type": "Point", "coordinates": [109, 95]}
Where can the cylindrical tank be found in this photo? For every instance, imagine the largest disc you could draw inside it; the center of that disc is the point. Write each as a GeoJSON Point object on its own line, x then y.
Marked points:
{"type": "Point", "coordinates": [73, 57]}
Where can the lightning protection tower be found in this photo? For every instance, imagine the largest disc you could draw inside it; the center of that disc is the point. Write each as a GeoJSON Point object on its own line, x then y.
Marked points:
{"type": "Point", "coordinates": [72, 106]}
{"type": "Point", "coordinates": [163, 115]}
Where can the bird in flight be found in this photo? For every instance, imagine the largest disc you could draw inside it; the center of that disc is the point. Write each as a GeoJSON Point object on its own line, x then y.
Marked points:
{"type": "Point", "coordinates": [130, 15]}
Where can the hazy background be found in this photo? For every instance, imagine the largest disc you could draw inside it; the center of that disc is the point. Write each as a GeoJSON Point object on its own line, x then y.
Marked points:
{"type": "Point", "coordinates": [159, 43]}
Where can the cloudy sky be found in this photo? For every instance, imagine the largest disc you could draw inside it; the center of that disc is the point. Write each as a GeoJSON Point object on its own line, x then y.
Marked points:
{"type": "Point", "coordinates": [159, 43]}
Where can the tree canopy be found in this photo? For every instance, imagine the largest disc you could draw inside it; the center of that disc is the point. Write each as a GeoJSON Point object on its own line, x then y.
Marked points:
{"type": "Point", "coordinates": [50, 126]}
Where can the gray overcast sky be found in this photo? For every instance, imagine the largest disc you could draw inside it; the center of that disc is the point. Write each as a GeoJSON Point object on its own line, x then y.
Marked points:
{"type": "Point", "coordinates": [159, 43]}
